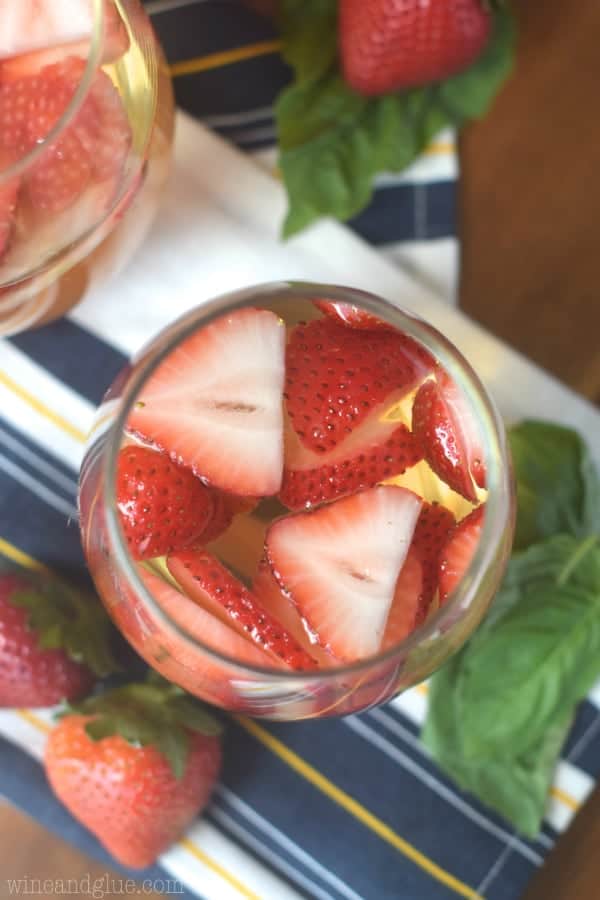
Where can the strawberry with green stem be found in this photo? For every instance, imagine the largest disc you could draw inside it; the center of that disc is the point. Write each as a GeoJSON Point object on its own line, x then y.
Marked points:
{"type": "Point", "coordinates": [54, 641]}
{"type": "Point", "coordinates": [135, 765]}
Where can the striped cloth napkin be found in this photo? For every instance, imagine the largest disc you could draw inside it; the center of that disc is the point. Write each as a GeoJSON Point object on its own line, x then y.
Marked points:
{"type": "Point", "coordinates": [352, 808]}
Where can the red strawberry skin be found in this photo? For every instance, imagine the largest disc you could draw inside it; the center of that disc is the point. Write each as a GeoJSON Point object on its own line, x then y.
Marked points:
{"type": "Point", "coordinates": [351, 315]}
{"type": "Point", "coordinates": [403, 617]}
{"type": "Point", "coordinates": [444, 440]}
{"type": "Point", "coordinates": [92, 148]}
{"type": "Point", "coordinates": [225, 508]}
{"type": "Point", "coordinates": [434, 525]}
{"type": "Point", "coordinates": [30, 675]}
{"type": "Point", "coordinates": [459, 550]}
{"type": "Point", "coordinates": [163, 507]}
{"type": "Point", "coordinates": [308, 487]}
{"type": "Point", "coordinates": [336, 375]}
{"type": "Point", "coordinates": [8, 203]}
{"type": "Point", "coordinates": [388, 46]}
{"type": "Point", "coordinates": [127, 795]}
{"type": "Point", "coordinates": [206, 580]}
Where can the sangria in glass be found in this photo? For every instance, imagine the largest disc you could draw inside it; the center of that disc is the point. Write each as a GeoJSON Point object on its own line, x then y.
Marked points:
{"type": "Point", "coordinates": [297, 501]}
{"type": "Point", "coordinates": [86, 120]}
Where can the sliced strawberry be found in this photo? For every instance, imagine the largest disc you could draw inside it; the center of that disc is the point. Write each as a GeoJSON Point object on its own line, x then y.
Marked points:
{"type": "Point", "coordinates": [200, 625]}
{"type": "Point", "coordinates": [92, 148]}
{"type": "Point", "coordinates": [460, 548]}
{"type": "Point", "coordinates": [39, 32]}
{"type": "Point", "coordinates": [213, 587]}
{"type": "Point", "coordinates": [335, 376]}
{"type": "Point", "coordinates": [354, 316]}
{"type": "Point", "coordinates": [163, 507]}
{"type": "Point", "coordinates": [434, 524]}
{"type": "Point", "coordinates": [215, 403]}
{"type": "Point", "coordinates": [9, 192]}
{"type": "Point", "coordinates": [272, 598]}
{"type": "Point", "coordinates": [339, 565]}
{"type": "Point", "coordinates": [451, 440]}
{"type": "Point", "coordinates": [403, 616]}
{"type": "Point", "coordinates": [225, 508]}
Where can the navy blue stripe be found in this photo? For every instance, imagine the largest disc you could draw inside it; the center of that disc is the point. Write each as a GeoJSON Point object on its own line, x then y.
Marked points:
{"type": "Point", "coordinates": [28, 789]}
{"type": "Point", "coordinates": [247, 84]}
{"type": "Point", "coordinates": [200, 29]}
{"type": "Point", "coordinates": [43, 453]}
{"type": "Point", "coordinates": [73, 355]}
{"type": "Point", "coordinates": [381, 786]}
{"type": "Point", "coordinates": [394, 215]}
{"type": "Point", "coordinates": [40, 530]}
{"type": "Point", "coordinates": [251, 850]}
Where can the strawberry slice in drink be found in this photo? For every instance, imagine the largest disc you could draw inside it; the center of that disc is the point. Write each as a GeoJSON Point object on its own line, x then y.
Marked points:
{"type": "Point", "coordinates": [450, 437]}
{"type": "Point", "coordinates": [9, 192]}
{"type": "Point", "coordinates": [434, 525]}
{"type": "Point", "coordinates": [339, 564]}
{"type": "Point", "coordinates": [351, 315]}
{"type": "Point", "coordinates": [214, 404]}
{"type": "Point", "coordinates": [403, 617]}
{"type": "Point", "coordinates": [336, 376]}
{"type": "Point", "coordinates": [195, 621]}
{"type": "Point", "coordinates": [162, 506]}
{"type": "Point", "coordinates": [458, 552]}
{"type": "Point", "coordinates": [209, 584]}
{"type": "Point", "coordinates": [44, 31]}
{"type": "Point", "coordinates": [377, 449]}
{"type": "Point", "coordinates": [266, 588]}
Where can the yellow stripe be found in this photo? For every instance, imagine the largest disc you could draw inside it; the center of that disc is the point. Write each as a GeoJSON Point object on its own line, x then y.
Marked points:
{"type": "Point", "coordinates": [41, 408]}
{"type": "Point", "coordinates": [356, 809]}
{"type": "Point", "coordinates": [210, 863]}
{"type": "Point", "coordinates": [22, 558]}
{"type": "Point", "coordinates": [565, 798]}
{"type": "Point", "coordinates": [34, 720]}
{"type": "Point", "coordinates": [422, 689]}
{"type": "Point", "coordinates": [439, 148]}
{"type": "Point", "coordinates": [225, 58]}
{"type": "Point", "coordinates": [218, 869]}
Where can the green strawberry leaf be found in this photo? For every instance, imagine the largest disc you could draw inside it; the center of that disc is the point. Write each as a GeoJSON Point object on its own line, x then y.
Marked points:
{"type": "Point", "coordinates": [500, 709]}
{"type": "Point", "coordinates": [558, 489]}
{"type": "Point", "coordinates": [333, 141]}
{"type": "Point", "coordinates": [68, 619]}
{"type": "Point", "coordinates": [153, 712]}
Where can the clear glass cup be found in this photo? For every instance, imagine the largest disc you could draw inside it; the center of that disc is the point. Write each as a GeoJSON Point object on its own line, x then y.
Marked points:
{"type": "Point", "coordinates": [180, 655]}
{"type": "Point", "coordinates": [81, 170]}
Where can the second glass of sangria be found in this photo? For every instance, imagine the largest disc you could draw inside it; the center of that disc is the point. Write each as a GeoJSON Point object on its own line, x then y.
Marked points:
{"type": "Point", "coordinates": [86, 121]}
{"type": "Point", "coordinates": [297, 501]}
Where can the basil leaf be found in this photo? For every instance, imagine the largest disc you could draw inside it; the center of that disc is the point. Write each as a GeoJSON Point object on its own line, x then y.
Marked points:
{"type": "Point", "coordinates": [308, 32]}
{"type": "Point", "coordinates": [558, 489]}
{"type": "Point", "coordinates": [333, 141]}
{"type": "Point", "coordinates": [500, 709]}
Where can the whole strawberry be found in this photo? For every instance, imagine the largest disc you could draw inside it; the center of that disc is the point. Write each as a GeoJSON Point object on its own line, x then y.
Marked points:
{"type": "Point", "coordinates": [389, 45]}
{"type": "Point", "coordinates": [54, 641]}
{"type": "Point", "coordinates": [135, 766]}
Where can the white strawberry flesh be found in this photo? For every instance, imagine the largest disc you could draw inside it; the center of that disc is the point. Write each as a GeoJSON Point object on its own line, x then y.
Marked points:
{"type": "Point", "coordinates": [27, 25]}
{"type": "Point", "coordinates": [215, 403]}
{"type": "Point", "coordinates": [339, 565]}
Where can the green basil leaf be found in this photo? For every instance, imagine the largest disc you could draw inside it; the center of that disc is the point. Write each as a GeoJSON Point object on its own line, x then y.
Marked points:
{"type": "Point", "coordinates": [333, 141]}
{"type": "Point", "coordinates": [499, 710]}
{"type": "Point", "coordinates": [558, 489]}
{"type": "Point", "coordinates": [308, 32]}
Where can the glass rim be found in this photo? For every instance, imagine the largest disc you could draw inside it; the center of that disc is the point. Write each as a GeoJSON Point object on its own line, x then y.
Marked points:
{"type": "Point", "coordinates": [75, 103]}
{"type": "Point", "coordinates": [498, 503]}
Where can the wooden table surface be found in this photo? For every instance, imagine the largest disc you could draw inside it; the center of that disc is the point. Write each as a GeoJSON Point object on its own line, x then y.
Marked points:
{"type": "Point", "coordinates": [530, 223]}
